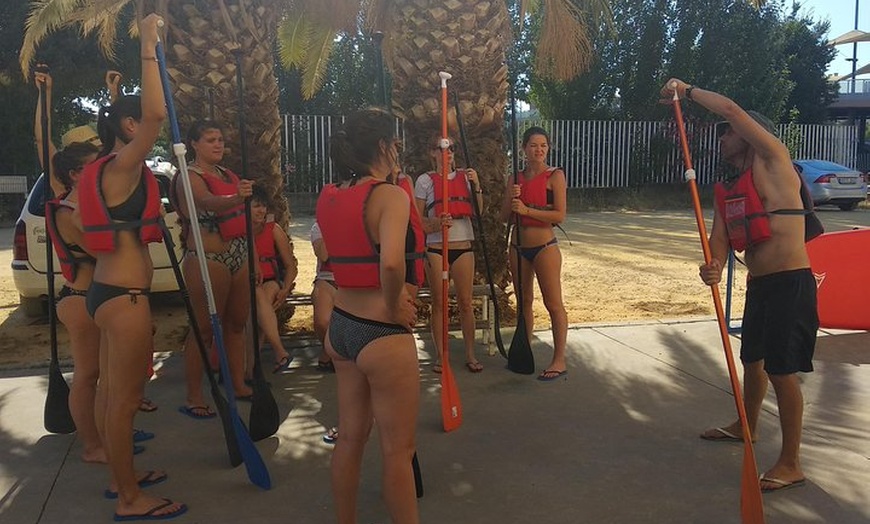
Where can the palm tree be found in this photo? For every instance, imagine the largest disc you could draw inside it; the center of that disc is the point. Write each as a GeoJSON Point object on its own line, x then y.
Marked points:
{"type": "Point", "coordinates": [200, 38]}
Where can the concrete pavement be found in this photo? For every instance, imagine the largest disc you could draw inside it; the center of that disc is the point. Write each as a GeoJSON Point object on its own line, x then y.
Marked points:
{"type": "Point", "coordinates": [616, 441]}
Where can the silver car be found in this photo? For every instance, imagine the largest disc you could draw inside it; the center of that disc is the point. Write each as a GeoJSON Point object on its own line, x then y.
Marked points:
{"type": "Point", "coordinates": [28, 257]}
{"type": "Point", "coordinates": [831, 183]}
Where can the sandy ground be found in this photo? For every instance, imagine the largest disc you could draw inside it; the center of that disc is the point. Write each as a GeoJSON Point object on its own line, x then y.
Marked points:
{"type": "Point", "coordinates": [619, 267]}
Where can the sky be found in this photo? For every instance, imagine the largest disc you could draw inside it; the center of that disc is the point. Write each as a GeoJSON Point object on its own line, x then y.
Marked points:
{"type": "Point", "coordinates": [841, 14]}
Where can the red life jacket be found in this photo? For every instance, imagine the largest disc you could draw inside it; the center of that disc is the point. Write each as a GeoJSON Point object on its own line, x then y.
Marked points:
{"type": "Point", "coordinates": [265, 242]}
{"type": "Point", "coordinates": [741, 208]}
{"type": "Point", "coordinates": [747, 221]}
{"type": "Point", "coordinates": [99, 228]}
{"type": "Point", "coordinates": [459, 203]}
{"type": "Point", "coordinates": [353, 254]}
{"type": "Point", "coordinates": [415, 248]}
{"type": "Point", "coordinates": [534, 194]}
{"type": "Point", "coordinates": [230, 223]}
{"type": "Point", "coordinates": [68, 262]}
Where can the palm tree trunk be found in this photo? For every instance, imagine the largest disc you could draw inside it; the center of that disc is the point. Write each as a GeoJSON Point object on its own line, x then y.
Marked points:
{"type": "Point", "coordinates": [467, 39]}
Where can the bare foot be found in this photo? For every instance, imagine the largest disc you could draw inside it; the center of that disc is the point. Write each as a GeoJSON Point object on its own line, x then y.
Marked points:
{"type": "Point", "coordinates": [731, 433]}
{"type": "Point", "coordinates": [149, 506]}
{"type": "Point", "coordinates": [95, 456]}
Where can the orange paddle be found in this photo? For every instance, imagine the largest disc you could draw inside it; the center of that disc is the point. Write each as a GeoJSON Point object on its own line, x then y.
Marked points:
{"type": "Point", "coordinates": [451, 408]}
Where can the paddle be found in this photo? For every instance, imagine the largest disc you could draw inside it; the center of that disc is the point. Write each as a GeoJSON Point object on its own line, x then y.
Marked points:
{"type": "Point", "coordinates": [56, 417]}
{"type": "Point", "coordinates": [520, 357]}
{"type": "Point", "coordinates": [477, 215]}
{"type": "Point", "coordinates": [451, 408]}
{"type": "Point", "coordinates": [264, 418]}
{"type": "Point", "coordinates": [219, 401]}
{"type": "Point", "coordinates": [256, 468]}
{"type": "Point", "coordinates": [751, 504]}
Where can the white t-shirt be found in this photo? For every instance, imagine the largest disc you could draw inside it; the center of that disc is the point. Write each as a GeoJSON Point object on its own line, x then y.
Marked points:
{"type": "Point", "coordinates": [315, 236]}
{"type": "Point", "coordinates": [461, 230]}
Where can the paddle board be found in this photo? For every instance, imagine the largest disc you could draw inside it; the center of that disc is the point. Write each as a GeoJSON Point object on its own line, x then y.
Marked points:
{"type": "Point", "coordinates": [841, 265]}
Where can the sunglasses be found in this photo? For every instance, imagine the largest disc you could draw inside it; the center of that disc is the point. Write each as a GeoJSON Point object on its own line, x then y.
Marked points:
{"type": "Point", "coordinates": [451, 148]}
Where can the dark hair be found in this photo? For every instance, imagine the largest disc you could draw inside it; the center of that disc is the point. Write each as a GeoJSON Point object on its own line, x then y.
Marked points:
{"type": "Point", "coordinates": [259, 194]}
{"type": "Point", "coordinates": [763, 121]}
{"type": "Point", "coordinates": [71, 158]}
{"type": "Point", "coordinates": [355, 147]}
{"type": "Point", "coordinates": [196, 131]}
{"type": "Point", "coordinates": [532, 131]}
{"type": "Point", "coordinates": [109, 121]}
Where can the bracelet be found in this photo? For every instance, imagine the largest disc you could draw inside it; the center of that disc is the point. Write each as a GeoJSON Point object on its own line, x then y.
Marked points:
{"type": "Point", "coordinates": [689, 92]}
{"type": "Point", "coordinates": [149, 58]}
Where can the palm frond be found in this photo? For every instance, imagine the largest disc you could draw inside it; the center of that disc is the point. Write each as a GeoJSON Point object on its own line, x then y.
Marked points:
{"type": "Point", "coordinates": [101, 17]}
{"type": "Point", "coordinates": [565, 48]}
{"type": "Point", "coordinates": [45, 17]}
{"type": "Point", "coordinates": [316, 60]}
{"type": "Point", "coordinates": [294, 35]}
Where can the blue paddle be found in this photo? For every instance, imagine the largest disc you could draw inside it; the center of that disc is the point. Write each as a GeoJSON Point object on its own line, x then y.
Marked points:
{"type": "Point", "coordinates": [256, 468]}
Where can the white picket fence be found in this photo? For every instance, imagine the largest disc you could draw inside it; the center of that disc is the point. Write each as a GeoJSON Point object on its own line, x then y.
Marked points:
{"type": "Point", "coordinates": [594, 154]}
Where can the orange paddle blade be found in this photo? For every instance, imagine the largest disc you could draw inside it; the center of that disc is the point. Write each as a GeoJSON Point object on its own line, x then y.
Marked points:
{"type": "Point", "coordinates": [451, 408]}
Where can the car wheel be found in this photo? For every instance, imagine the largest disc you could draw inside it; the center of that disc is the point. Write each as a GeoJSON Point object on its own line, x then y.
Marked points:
{"type": "Point", "coordinates": [848, 207]}
{"type": "Point", "coordinates": [33, 306]}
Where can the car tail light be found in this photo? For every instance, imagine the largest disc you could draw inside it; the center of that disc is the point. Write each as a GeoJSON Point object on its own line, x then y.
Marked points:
{"type": "Point", "coordinates": [825, 179]}
{"type": "Point", "coordinates": [19, 245]}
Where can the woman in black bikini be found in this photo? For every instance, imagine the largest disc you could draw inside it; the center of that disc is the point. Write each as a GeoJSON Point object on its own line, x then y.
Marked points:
{"type": "Point", "coordinates": [120, 208]}
{"type": "Point", "coordinates": [540, 200]}
{"type": "Point", "coordinates": [219, 196]}
{"type": "Point", "coordinates": [427, 191]}
{"type": "Point", "coordinates": [365, 221]}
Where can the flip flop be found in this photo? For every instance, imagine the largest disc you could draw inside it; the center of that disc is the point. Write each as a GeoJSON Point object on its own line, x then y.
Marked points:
{"type": "Point", "coordinates": [151, 478]}
{"type": "Point", "coordinates": [781, 485]}
{"type": "Point", "coordinates": [195, 412]}
{"type": "Point", "coordinates": [325, 366]}
{"type": "Point", "coordinates": [282, 364]}
{"type": "Point", "coordinates": [147, 405]}
{"type": "Point", "coordinates": [474, 367]}
{"type": "Point", "coordinates": [150, 514]}
{"type": "Point", "coordinates": [548, 375]}
{"type": "Point", "coordinates": [245, 398]}
{"type": "Point", "coordinates": [720, 435]}
{"type": "Point", "coordinates": [140, 435]}
{"type": "Point", "coordinates": [331, 436]}
{"type": "Point", "coordinates": [137, 449]}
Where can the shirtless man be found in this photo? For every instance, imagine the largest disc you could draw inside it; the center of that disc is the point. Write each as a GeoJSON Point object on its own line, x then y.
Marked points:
{"type": "Point", "coordinates": [780, 319]}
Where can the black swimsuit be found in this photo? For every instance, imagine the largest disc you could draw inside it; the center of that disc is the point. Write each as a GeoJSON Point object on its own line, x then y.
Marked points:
{"type": "Point", "coordinates": [128, 211]}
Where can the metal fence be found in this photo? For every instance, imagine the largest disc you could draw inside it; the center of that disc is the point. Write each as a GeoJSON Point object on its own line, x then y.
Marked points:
{"type": "Point", "coordinates": [594, 154]}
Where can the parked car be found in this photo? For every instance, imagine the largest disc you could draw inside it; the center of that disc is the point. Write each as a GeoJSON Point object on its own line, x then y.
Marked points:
{"type": "Point", "coordinates": [831, 183]}
{"type": "Point", "coordinates": [28, 257]}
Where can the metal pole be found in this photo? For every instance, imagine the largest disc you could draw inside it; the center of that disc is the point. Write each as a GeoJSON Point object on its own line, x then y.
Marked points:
{"type": "Point", "coordinates": [855, 49]}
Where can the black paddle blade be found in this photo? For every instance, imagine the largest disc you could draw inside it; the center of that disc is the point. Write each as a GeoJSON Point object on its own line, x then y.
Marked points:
{"type": "Point", "coordinates": [264, 418]}
{"type": "Point", "coordinates": [56, 417]}
{"type": "Point", "coordinates": [520, 358]}
{"type": "Point", "coordinates": [229, 431]}
{"type": "Point", "coordinates": [418, 476]}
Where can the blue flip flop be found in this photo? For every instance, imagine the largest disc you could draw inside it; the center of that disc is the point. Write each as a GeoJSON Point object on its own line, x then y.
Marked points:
{"type": "Point", "coordinates": [151, 478]}
{"type": "Point", "coordinates": [191, 411]}
{"type": "Point", "coordinates": [137, 449]}
{"type": "Point", "coordinates": [140, 435]}
{"type": "Point", "coordinates": [150, 514]}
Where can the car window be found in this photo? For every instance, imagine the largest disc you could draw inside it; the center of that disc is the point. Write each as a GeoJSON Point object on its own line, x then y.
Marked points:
{"type": "Point", "coordinates": [36, 204]}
